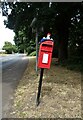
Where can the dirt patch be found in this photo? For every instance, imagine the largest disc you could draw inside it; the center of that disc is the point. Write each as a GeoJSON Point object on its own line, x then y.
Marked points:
{"type": "Point", "coordinates": [60, 97]}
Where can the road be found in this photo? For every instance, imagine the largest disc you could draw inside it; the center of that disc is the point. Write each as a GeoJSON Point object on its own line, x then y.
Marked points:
{"type": "Point", "coordinates": [13, 67]}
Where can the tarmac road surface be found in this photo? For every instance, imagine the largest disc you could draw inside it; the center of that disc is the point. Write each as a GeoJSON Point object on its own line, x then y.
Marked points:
{"type": "Point", "coordinates": [13, 67]}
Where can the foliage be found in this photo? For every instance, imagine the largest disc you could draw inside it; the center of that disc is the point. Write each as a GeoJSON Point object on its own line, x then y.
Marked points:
{"type": "Point", "coordinates": [76, 36]}
{"type": "Point", "coordinates": [32, 54]}
{"type": "Point", "coordinates": [14, 48]}
{"type": "Point", "coordinates": [9, 47]}
{"type": "Point", "coordinates": [74, 63]}
{"type": "Point", "coordinates": [61, 20]}
{"type": "Point", "coordinates": [30, 47]}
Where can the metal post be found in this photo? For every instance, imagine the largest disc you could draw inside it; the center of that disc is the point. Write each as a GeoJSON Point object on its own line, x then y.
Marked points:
{"type": "Point", "coordinates": [39, 87]}
{"type": "Point", "coordinates": [36, 48]}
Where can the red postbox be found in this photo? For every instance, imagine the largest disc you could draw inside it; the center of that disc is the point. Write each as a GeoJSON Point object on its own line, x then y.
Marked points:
{"type": "Point", "coordinates": [45, 54]}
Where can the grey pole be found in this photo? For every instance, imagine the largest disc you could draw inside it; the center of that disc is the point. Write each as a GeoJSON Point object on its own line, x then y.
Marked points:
{"type": "Point", "coordinates": [36, 49]}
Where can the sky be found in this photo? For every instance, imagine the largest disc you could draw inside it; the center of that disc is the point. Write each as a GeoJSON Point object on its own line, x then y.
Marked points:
{"type": "Point", "coordinates": [5, 33]}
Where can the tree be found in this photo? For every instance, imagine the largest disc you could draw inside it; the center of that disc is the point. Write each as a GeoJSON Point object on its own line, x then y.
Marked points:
{"type": "Point", "coordinates": [9, 47]}
{"type": "Point", "coordinates": [76, 35]}
{"type": "Point", "coordinates": [56, 19]}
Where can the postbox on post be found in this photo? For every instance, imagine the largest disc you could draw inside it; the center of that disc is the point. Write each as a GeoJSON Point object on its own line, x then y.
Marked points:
{"type": "Point", "coordinates": [44, 60]}
{"type": "Point", "coordinates": [45, 54]}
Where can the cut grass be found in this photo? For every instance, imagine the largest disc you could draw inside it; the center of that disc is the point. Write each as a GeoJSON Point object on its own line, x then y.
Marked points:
{"type": "Point", "coordinates": [60, 96]}
{"type": "Point", "coordinates": [3, 54]}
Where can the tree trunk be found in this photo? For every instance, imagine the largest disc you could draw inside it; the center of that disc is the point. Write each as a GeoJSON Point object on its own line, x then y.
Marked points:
{"type": "Point", "coordinates": [63, 43]}
{"type": "Point", "coordinates": [62, 26]}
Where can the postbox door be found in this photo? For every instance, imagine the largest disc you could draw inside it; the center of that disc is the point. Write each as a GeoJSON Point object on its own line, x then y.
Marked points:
{"type": "Point", "coordinates": [44, 60]}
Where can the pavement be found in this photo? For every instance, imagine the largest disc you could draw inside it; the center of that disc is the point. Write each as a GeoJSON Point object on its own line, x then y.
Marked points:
{"type": "Point", "coordinates": [13, 67]}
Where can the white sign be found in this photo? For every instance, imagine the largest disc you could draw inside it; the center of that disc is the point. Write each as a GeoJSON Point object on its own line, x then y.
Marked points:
{"type": "Point", "coordinates": [45, 58]}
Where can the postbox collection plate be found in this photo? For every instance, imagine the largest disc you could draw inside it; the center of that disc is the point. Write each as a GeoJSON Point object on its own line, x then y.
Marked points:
{"type": "Point", "coordinates": [45, 58]}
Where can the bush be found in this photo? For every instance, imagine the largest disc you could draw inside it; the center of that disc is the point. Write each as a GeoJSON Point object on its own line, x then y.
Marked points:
{"type": "Point", "coordinates": [30, 49]}
{"type": "Point", "coordinates": [9, 48]}
{"type": "Point", "coordinates": [74, 63]}
{"type": "Point", "coordinates": [32, 54]}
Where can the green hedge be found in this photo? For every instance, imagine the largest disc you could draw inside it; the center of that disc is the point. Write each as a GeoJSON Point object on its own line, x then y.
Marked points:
{"type": "Point", "coordinates": [32, 54]}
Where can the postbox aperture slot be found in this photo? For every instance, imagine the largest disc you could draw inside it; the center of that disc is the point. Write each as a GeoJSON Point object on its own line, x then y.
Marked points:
{"type": "Point", "coordinates": [46, 45]}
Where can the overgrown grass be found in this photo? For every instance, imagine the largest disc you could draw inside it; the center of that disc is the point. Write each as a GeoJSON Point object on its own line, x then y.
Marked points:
{"type": "Point", "coordinates": [74, 63]}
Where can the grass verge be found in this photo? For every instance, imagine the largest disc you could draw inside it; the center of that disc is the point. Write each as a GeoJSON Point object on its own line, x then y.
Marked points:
{"type": "Point", "coordinates": [60, 97]}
